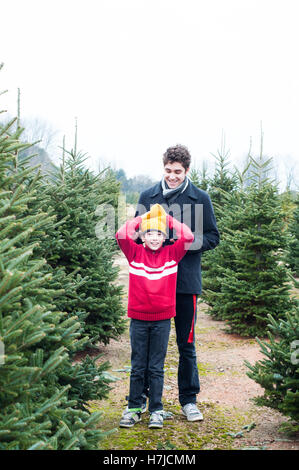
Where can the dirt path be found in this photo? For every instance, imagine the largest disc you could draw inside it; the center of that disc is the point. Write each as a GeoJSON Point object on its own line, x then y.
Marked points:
{"type": "Point", "coordinates": [225, 397]}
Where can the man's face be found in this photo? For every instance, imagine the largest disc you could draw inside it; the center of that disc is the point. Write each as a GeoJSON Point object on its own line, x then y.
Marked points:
{"type": "Point", "coordinates": [153, 239]}
{"type": "Point", "coordinates": [174, 174]}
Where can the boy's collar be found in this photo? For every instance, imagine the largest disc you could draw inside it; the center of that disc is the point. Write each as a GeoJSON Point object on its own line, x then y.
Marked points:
{"type": "Point", "coordinates": [153, 251]}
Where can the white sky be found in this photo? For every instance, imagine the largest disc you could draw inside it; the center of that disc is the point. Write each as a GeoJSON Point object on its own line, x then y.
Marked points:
{"type": "Point", "coordinates": [143, 75]}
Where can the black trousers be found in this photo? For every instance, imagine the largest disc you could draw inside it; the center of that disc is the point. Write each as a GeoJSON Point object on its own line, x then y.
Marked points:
{"type": "Point", "coordinates": [185, 320]}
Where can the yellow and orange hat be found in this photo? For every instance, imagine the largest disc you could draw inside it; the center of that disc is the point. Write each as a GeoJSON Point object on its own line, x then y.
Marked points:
{"type": "Point", "coordinates": [155, 219]}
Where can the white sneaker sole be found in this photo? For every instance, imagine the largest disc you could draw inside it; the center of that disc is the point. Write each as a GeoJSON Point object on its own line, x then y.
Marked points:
{"type": "Point", "coordinates": [155, 426]}
{"type": "Point", "coordinates": [124, 425]}
{"type": "Point", "coordinates": [194, 418]}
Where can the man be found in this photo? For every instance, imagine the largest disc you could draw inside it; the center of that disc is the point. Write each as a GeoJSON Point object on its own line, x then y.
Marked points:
{"type": "Point", "coordinates": [193, 206]}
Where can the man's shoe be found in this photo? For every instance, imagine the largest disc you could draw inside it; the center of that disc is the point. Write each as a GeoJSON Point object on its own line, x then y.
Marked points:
{"type": "Point", "coordinates": [191, 412]}
{"type": "Point", "coordinates": [129, 418]}
{"type": "Point", "coordinates": [156, 419]}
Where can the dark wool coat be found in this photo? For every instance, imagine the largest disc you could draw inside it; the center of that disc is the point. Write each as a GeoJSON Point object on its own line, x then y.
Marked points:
{"type": "Point", "coordinates": [194, 208]}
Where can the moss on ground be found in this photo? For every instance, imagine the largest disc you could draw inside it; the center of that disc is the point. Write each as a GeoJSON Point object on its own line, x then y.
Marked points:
{"type": "Point", "coordinates": [214, 432]}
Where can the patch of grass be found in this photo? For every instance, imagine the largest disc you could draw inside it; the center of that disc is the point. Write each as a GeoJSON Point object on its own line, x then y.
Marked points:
{"type": "Point", "coordinates": [216, 431]}
{"type": "Point", "coordinates": [205, 369]}
{"type": "Point", "coordinates": [177, 432]}
{"type": "Point", "coordinates": [289, 428]}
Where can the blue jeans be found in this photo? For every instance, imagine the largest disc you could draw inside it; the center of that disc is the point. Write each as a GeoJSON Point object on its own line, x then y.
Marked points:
{"type": "Point", "coordinates": [188, 380]}
{"type": "Point", "coordinates": [149, 341]}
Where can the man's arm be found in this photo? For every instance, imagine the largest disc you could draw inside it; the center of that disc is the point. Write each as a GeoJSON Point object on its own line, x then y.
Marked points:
{"type": "Point", "coordinates": [206, 236]}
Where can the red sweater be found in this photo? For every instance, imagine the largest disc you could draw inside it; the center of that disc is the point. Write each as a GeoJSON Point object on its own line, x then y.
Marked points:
{"type": "Point", "coordinates": [153, 274]}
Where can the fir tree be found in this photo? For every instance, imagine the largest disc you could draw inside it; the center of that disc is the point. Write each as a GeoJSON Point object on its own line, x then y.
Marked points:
{"type": "Point", "coordinates": [278, 372]}
{"type": "Point", "coordinates": [257, 282]}
{"type": "Point", "coordinates": [88, 379]}
{"type": "Point", "coordinates": [292, 257]}
{"type": "Point", "coordinates": [221, 186]}
{"type": "Point", "coordinates": [36, 409]}
{"type": "Point", "coordinates": [223, 182]}
{"type": "Point", "coordinates": [200, 178]}
{"type": "Point", "coordinates": [195, 177]}
{"type": "Point", "coordinates": [216, 261]}
{"type": "Point", "coordinates": [75, 195]}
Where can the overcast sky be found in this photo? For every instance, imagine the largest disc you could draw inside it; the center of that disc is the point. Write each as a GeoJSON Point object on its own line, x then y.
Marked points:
{"type": "Point", "coordinates": [143, 75]}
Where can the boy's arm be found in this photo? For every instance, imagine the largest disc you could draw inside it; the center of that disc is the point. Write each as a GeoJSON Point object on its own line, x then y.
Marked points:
{"type": "Point", "coordinates": [126, 235]}
{"type": "Point", "coordinates": [184, 237]}
{"type": "Point", "coordinates": [142, 208]}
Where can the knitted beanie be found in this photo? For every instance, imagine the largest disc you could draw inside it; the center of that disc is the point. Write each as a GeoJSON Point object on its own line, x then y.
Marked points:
{"type": "Point", "coordinates": [155, 219]}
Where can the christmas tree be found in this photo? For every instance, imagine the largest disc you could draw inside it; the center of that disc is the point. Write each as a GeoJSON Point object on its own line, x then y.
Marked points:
{"type": "Point", "coordinates": [78, 198]}
{"type": "Point", "coordinates": [278, 372]}
{"type": "Point", "coordinates": [223, 182]}
{"type": "Point", "coordinates": [222, 190]}
{"type": "Point", "coordinates": [200, 178]}
{"type": "Point", "coordinates": [257, 282]}
{"type": "Point", "coordinates": [216, 261]}
{"type": "Point", "coordinates": [37, 410]}
{"type": "Point", "coordinates": [292, 257]}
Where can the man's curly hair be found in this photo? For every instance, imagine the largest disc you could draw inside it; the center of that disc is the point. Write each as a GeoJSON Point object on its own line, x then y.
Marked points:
{"type": "Point", "coordinates": [178, 153]}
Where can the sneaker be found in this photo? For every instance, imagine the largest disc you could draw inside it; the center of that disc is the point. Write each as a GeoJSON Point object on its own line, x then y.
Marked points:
{"type": "Point", "coordinates": [167, 414]}
{"type": "Point", "coordinates": [191, 412]}
{"type": "Point", "coordinates": [129, 418]}
{"type": "Point", "coordinates": [156, 419]}
{"type": "Point", "coordinates": [143, 404]}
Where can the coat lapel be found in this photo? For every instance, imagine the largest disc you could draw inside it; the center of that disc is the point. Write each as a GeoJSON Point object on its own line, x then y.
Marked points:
{"type": "Point", "coordinates": [157, 195]}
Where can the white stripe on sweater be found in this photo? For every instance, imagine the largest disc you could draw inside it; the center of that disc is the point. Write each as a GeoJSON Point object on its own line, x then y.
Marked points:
{"type": "Point", "coordinates": [153, 276]}
{"type": "Point", "coordinates": [147, 268]}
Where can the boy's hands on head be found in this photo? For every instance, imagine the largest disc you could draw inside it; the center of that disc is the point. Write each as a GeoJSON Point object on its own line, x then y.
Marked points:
{"type": "Point", "coordinates": [155, 219]}
{"type": "Point", "coordinates": [156, 211]}
{"type": "Point", "coordinates": [136, 235]}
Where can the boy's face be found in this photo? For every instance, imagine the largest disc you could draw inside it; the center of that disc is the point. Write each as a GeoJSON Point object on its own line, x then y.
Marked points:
{"type": "Point", "coordinates": [174, 174]}
{"type": "Point", "coordinates": [153, 239]}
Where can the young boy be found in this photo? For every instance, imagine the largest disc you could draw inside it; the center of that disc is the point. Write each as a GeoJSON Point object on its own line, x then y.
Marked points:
{"type": "Point", "coordinates": [151, 304]}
